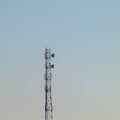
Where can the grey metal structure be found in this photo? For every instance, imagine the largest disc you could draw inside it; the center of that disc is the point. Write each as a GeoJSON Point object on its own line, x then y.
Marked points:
{"type": "Point", "coordinates": [48, 78]}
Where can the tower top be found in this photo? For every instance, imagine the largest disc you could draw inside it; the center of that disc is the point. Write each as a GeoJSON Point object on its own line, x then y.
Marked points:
{"type": "Point", "coordinates": [48, 78]}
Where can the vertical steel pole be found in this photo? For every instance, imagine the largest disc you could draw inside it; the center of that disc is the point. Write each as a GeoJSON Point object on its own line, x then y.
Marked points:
{"type": "Point", "coordinates": [48, 78]}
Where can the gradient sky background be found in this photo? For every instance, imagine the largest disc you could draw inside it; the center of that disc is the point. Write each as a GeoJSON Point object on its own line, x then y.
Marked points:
{"type": "Point", "coordinates": [85, 36]}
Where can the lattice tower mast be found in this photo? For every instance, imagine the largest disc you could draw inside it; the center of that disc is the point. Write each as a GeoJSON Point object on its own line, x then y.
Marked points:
{"type": "Point", "coordinates": [48, 78]}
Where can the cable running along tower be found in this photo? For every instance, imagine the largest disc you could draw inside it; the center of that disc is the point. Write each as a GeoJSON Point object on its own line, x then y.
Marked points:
{"type": "Point", "coordinates": [48, 78]}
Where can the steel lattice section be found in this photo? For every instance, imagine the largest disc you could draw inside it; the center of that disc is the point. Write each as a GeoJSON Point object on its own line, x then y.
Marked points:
{"type": "Point", "coordinates": [48, 78]}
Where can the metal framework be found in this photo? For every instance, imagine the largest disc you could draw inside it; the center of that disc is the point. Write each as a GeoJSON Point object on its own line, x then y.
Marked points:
{"type": "Point", "coordinates": [48, 78]}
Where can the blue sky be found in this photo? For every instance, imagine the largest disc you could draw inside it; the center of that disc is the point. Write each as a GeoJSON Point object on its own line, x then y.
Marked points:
{"type": "Point", "coordinates": [85, 38]}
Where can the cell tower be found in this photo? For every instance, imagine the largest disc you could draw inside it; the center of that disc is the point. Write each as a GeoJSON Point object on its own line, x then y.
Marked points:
{"type": "Point", "coordinates": [48, 78]}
